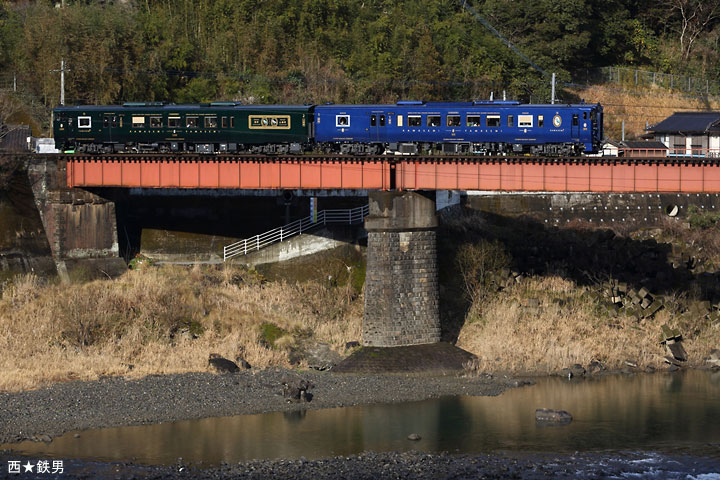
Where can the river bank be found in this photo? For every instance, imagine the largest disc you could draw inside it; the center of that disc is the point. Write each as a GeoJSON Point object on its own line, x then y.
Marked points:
{"type": "Point", "coordinates": [114, 401]}
{"type": "Point", "coordinates": [414, 466]}
{"type": "Point", "coordinates": [50, 411]}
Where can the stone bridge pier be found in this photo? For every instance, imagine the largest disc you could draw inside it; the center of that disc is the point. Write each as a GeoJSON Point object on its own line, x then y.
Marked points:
{"type": "Point", "coordinates": [401, 282]}
{"type": "Point", "coordinates": [81, 227]}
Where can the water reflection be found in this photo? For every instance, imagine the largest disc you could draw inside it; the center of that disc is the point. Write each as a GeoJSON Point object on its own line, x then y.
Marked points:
{"type": "Point", "coordinates": [673, 413]}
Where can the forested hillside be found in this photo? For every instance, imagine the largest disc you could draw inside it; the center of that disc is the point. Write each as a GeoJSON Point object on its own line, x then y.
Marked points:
{"type": "Point", "coordinates": [266, 51]}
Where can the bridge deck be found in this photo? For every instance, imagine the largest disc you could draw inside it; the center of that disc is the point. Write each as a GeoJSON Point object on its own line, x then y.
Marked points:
{"type": "Point", "coordinates": [585, 174]}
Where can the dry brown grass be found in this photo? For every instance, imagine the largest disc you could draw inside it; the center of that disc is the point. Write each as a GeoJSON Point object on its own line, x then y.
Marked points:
{"type": "Point", "coordinates": [511, 337]}
{"type": "Point", "coordinates": [147, 319]}
{"type": "Point", "coordinates": [640, 107]}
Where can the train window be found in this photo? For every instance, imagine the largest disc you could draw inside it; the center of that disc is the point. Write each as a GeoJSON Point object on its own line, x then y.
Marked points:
{"type": "Point", "coordinates": [382, 120]}
{"type": "Point", "coordinates": [138, 122]}
{"type": "Point", "coordinates": [414, 120]}
{"type": "Point", "coordinates": [399, 120]}
{"type": "Point", "coordinates": [525, 121]}
{"type": "Point", "coordinates": [191, 122]}
{"type": "Point", "coordinates": [84, 122]}
{"type": "Point", "coordinates": [453, 120]}
{"type": "Point", "coordinates": [232, 122]}
{"type": "Point", "coordinates": [541, 120]}
{"type": "Point", "coordinates": [210, 122]}
{"type": "Point", "coordinates": [433, 120]}
{"type": "Point", "coordinates": [156, 122]}
{"type": "Point", "coordinates": [493, 120]}
{"type": "Point", "coordinates": [473, 120]}
{"type": "Point", "coordinates": [223, 122]}
{"type": "Point", "coordinates": [106, 121]}
{"type": "Point", "coordinates": [113, 124]}
{"type": "Point", "coordinates": [373, 120]}
{"type": "Point", "coordinates": [342, 120]}
{"type": "Point", "coordinates": [174, 122]}
{"type": "Point", "coordinates": [511, 121]}
{"type": "Point", "coordinates": [575, 119]}
{"type": "Point", "coordinates": [584, 115]}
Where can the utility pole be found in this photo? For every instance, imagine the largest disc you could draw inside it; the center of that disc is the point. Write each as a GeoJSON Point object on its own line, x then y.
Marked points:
{"type": "Point", "coordinates": [552, 90]}
{"type": "Point", "coordinates": [62, 80]}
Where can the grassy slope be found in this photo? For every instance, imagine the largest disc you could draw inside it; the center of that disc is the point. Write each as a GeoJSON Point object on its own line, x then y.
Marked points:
{"type": "Point", "coordinates": [148, 317]}
{"type": "Point", "coordinates": [640, 107]}
{"type": "Point", "coordinates": [169, 319]}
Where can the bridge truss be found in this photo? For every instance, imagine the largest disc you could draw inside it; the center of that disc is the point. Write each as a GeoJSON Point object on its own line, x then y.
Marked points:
{"type": "Point", "coordinates": [516, 174]}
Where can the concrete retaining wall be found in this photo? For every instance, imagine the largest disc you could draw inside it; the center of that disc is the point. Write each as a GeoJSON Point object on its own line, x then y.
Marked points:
{"type": "Point", "coordinates": [603, 209]}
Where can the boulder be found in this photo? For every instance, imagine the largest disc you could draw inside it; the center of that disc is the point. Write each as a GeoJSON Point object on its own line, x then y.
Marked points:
{"type": "Point", "coordinates": [577, 370]}
{"type": "Point", "coordinates": [714, 358]}
{"type": "Point", "coordinates": [297, 389]}
{"type": "Point", "coordinates": [595, 367]}
{"type": "Point", "coordinates": [414, 437]}
{"type": "Point", "coordinates": [631, 363]}
{"type": "Point", "coordinates": [677, 351]}
{"type": "Point", "coordinates": [318, 355]}
{"type": "Point", "coordinates": [552, 417]}
{"type": "Point", "coordinates": [242, 362]}
{"type": "Point", "coordinates": [222, 365]}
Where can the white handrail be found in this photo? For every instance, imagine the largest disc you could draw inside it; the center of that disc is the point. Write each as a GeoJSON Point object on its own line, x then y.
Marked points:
{"type": "Point", "coordinates": [280, 234]}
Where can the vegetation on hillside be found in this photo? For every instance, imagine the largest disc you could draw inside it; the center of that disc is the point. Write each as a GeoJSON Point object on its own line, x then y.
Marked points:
{"type": "Point", "coordinates": [341, 50]}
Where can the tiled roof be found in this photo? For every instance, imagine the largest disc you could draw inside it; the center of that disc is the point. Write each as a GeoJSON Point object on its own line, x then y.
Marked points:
{"type": "Point", "coordinates": [689, 122]}
{"type": "Point", "coordinates": [645, 145]}
{"type": "Point", "coordinates": [14, 138]}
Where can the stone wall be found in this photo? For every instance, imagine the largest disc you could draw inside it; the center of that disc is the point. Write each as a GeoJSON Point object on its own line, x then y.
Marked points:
{"type": "Point", "coordinates": [401, 283]}
{"type": "Point", "coordinates": [401, 289]}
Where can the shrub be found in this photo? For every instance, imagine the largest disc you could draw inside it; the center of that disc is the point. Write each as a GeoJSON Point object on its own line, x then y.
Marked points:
{"type": "Point", "coordinates": [478, 263]}
{"type": "Point", "coordinates": [270, 334]}
{"type": "Point", "coordinates": [698, 218]}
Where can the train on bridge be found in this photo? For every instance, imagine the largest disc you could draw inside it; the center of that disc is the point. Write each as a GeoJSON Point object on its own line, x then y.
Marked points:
{"type": "Point", "coordinates": [407, 127]}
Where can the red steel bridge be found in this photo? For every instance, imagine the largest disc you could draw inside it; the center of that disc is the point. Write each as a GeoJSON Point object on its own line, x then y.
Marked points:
{"type": "Point", "coordinates": [457, 172]}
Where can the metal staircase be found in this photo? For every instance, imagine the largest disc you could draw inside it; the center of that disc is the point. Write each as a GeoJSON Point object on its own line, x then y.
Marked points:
{"type": "Point", "coordinates": [324, 217]}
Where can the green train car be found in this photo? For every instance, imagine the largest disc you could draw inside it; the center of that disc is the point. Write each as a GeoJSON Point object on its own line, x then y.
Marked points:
{"type": "Point", "coordinates": [203, 128]}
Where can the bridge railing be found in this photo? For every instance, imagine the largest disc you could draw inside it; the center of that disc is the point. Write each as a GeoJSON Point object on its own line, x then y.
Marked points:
{"type": "Point", "coordinates": [337, 216]}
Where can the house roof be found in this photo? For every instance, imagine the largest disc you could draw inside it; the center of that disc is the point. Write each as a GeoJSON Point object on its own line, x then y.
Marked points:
{"type": "Point", "coordinates": [14, 138]}
{"type": "Point", "coordinates": [645, 145]}
{"type": "Point", "coordinates": [689, 122]}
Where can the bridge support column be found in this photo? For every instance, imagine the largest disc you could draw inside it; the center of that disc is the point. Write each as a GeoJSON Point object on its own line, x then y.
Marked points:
{"type": "Point", "coordinates": [401, 282]}
{"type": "Point", "coordinates": [80, 226]}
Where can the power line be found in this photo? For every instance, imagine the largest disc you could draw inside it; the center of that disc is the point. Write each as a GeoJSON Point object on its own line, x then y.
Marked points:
{"type": "Point", "coordinates": [497, 34]}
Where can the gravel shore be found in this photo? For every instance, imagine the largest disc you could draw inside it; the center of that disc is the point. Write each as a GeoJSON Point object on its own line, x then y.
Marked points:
{"type": "Point", "coordinates": [410, 466]}
{"type": "Point", "coordinates": [111, 402]}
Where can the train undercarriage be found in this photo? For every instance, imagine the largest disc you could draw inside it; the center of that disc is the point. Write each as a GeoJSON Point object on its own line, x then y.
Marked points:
{"type": "Point", "coordinates": [348, 148]}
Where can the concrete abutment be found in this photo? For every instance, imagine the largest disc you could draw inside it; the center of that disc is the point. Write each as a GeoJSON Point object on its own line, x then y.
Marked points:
{"type": "Point", "coordinates": [81, 227]}
{"type": "Point", "coordinates": [401, 289]}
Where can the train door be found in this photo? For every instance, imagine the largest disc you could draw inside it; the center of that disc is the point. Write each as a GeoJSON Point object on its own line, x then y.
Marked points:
{"type": "Point", "coordinates": [575, 126]}
{"type": "Point", "coordinates": [109, 124]}
{"type": "Point", "coordinates": [378, 123]}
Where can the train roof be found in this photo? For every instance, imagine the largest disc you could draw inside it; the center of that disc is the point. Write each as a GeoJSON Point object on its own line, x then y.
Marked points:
{"type": "Point", "coordinates": [482, 103]}
{"type": "Point", "coordinates": [181, 107]}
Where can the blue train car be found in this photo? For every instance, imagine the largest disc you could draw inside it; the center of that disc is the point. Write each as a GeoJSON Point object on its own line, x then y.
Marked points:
{"type": "Point", "coordinates": [485, 127]}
